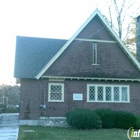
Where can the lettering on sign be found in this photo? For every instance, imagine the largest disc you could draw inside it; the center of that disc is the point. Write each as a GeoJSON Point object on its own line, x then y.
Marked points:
{"type": "Point", "coordinates": [77, 96]}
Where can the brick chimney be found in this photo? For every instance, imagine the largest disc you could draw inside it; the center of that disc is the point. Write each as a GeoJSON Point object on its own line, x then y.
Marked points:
{"type": "Point", "coordinates": [138, 37]}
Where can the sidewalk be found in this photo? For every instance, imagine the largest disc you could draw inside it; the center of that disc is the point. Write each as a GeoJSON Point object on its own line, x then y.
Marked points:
{"type": "Point", "coordinates": [9, 133]}
{"type": "Point", "coordinates": [9, 126]}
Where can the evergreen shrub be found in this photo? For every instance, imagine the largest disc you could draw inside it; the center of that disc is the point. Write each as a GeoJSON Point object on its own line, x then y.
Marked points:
{"type": "Point", "coordinates": [107, 117]}
{"type": "Point", "coordinates": [137, 126]}
{"type": "Point", "coordinates": [83, 119]}
{"type": "Point", "coordinates": [125, 120]}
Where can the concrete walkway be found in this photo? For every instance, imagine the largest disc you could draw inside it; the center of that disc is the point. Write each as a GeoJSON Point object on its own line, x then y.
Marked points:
{"type": "Point", "coordinates": [9, 133]}
{"type": "Point", "coordinates": [9, 126]}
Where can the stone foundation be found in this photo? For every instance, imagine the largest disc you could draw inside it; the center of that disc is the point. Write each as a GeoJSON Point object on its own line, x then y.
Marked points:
{"type": "Point", "coordinates": [45, 121]}
{"type": "Point", "coordinates": [29, 122]}
{"type": "Point", "coordinates": [53, 122]}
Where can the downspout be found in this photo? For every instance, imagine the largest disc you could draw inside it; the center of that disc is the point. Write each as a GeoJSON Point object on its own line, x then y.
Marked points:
{"type": "Point", "coordinates": [43, 106]}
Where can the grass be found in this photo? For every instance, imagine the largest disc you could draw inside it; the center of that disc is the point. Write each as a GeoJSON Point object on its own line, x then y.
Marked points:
{"type": "Point", "coordinates": [54, 133]}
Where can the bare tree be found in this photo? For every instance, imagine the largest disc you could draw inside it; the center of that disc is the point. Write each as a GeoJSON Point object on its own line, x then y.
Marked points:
{"type": "Point", "coordinates": [118, 11]}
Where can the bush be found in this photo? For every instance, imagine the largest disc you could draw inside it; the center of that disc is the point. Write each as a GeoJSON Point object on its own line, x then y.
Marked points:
{"type": "Point", "coordinates": [87, 119]}
{"type": "Point", "coordinates": [125, 120]}
{"type": "Point", "coordinates": [83, 119]}
{"type": "Point", "coordinates": [117, 119]}
{"type": "Point", "coordinates": [107, 117]}
{"type": "Point", "coordinates": [137, 126]}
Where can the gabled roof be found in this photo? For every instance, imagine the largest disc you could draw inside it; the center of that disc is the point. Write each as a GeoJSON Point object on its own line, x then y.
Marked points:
{"type": "Point", "coordinates": [32, 54]}
{"type": "Point", "coordinates": [105, 22]}
{"type": "Point", "coordinates": [35, 55]}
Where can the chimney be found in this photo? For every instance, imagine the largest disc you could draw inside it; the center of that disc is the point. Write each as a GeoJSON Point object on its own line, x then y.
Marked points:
{"type": "Point", "coordinates": [138, 38]}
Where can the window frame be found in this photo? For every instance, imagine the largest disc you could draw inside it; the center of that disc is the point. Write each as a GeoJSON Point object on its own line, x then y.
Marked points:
{"type": "Point", "coordinates": [49, 92]}
{"type": "Point", "coordinates": [112, 93]}
{"type": "Point", "coordinates": [95, 61]}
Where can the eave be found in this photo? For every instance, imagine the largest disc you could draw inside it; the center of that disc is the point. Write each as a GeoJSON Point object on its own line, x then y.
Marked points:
{"type": "Point", "coordinates": [59, 78]}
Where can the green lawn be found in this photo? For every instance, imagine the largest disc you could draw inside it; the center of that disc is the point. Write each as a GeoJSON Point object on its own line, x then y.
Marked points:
{"type": "Point", "coordinates": [48, 133]}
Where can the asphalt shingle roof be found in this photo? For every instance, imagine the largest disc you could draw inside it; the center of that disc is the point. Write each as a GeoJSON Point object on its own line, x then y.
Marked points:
{"type": "Point", "coordinates": [32, 54]}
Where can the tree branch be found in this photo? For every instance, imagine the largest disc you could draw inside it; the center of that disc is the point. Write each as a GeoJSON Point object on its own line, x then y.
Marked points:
{"type": "Point", "coordinates": [110, 16]}
{"type": "Point", "coordinates": [122, 7]}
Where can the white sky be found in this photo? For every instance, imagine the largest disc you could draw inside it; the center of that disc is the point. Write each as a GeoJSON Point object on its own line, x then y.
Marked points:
{"type": "Point", "coordinates": [39, 18]}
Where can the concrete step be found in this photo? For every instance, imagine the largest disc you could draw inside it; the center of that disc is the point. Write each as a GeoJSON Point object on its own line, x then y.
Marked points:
{"type": "Point", "coordinates": [9, 119]}
{"type": "Point", "coordinates": [9, 116]}
{"type": "Point", "coordinates": [9, 133]}
{"type": "Point", "coordinates": [10, 124]}
{"type": "Point", "coordinates": [8, 138]}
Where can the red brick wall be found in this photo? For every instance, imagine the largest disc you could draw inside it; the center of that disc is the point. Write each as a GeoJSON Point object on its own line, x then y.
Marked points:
{"type": "Point", "coordinates": [30, 94]}
{"type": "Point", "coordinates": [81, 87]}
{"type": "Point", "coordinates": [31, 90]}
{"type": "Point", "coordinates": [95, 30]}
{"type": "Point", "coordinates": [77, 59]}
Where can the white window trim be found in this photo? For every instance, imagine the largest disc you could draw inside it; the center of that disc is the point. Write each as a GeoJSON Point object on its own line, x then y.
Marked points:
{"type": "Point", "coordinates": [49, 85]}
{"type": "Point", "coordinates": [108, 85]}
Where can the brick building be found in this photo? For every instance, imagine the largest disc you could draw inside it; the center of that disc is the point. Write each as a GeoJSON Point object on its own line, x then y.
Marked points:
{"type": "Point", "coordinates": [93, 69]}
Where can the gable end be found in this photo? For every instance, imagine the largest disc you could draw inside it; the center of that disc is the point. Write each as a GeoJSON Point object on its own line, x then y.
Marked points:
{"type": "Point", "coordinates": [108, 27]}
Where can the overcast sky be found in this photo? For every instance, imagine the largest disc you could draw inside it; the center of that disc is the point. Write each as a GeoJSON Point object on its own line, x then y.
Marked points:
{"type": "Point", "coordinates": [39, 18]}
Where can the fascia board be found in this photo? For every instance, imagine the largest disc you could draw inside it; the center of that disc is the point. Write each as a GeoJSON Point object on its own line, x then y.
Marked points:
{"type": "Point", "coordinates": [89, 78]}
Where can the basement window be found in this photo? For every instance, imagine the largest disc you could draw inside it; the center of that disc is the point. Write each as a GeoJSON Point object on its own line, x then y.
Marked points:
{"type": "Point", "coordinates": [56, 92]}
{"type": "Point", "coordinates": [108, 93]}
{"type": "Point", "coordinates": [94, 53]}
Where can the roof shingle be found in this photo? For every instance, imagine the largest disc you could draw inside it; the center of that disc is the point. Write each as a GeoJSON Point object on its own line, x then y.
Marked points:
{"type": "Point", "coordinates": [32, 54]}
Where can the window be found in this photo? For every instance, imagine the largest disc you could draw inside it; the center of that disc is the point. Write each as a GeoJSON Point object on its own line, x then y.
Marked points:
{"type": "Point", "coordinates": [100, 93]}
{"type": "Point", "coordinates": [94, 53]}
{"type": "Point", "coordinates": [107, 93]}
{"type": "Point", "coordinates": [56, 92]}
